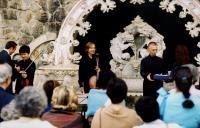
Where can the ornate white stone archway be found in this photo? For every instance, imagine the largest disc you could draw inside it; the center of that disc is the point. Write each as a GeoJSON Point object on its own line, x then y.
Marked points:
{"type": "Point", "coordinates": [75, 22]}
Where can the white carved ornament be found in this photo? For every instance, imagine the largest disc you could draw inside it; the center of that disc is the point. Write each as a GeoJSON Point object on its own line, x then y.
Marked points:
{"type": "Point", "coordinates": [197, 58]}
{"type": "Point", "coordinates": [188, 9]}
{"type": "Point", "coordinates": [107, 5]}
{"type": "Point", "coordinates": [63, 54]}
{"type": "Point", "coordinates": [75, 21]}
{"type": "Point", "coordinates": [126, 39]}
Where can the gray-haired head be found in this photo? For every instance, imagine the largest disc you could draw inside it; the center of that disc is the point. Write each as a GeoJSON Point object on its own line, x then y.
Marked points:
{"type": "Point", "coordinates": [5, 72]}
{"type": "Point", "coordinates": [31, 102]}
{"type": "Point", "coordinates": [9, 112]}
{"type": "Point", "coordinates": [194, 71]}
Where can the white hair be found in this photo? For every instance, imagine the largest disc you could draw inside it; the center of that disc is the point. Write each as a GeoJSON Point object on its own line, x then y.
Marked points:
{"type": "Point", "coordinates": [194, 71]}
{"type": "Point", "coordinates": [9, 112]}
{"type": "Point", "coordinates": [5, 72]}
{"type": "Point", "coordinates": [31, 101]}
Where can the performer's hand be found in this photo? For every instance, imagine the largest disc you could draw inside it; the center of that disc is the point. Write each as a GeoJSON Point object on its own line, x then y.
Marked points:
{"type": "Point", "coordinates": [93, 81]}
{"type": "Point", "coordinates": [98, 69]}
{"type": "Point", "coordinates": [149, 77]}
{"type": "Point", "coordinates": [17, 68]}
{"type": "Point", "coordinates": [24, 75]}
{"type": "Point", "coordinates": [82, 90]}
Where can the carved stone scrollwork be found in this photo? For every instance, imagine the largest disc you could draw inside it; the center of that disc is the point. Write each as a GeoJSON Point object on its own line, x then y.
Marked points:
{"type": "Point", "coordinates": [197, 58]}
{"type": "Point", "coordinates": [193, 28]}
{"type": "Point", "coordinates": [137, 1]}
{"type": "Point", "coordinates": [189, 8]}
{"type": "Point", "coordinates": [45, 73]}
{"type": "Point", "coordinates": [63, 53]}
{"type": "Point", "coordinates": [136, 36]}
{"type": "Point", "coordinates": [107, 5]}
{"type": "Point", "coordinates": [82, 27]}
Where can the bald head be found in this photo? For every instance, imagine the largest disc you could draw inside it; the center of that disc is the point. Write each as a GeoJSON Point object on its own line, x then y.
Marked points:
{"type": "Point", "coordinates": [152, 48]}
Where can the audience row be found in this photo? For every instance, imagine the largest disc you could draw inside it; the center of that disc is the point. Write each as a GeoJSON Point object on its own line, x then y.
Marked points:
{"type": "Point", "coordinates": [55, 105]}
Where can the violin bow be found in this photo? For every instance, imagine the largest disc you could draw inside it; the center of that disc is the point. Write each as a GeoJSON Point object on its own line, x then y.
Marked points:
{"type": "Point", "coordinates": [34, 60]}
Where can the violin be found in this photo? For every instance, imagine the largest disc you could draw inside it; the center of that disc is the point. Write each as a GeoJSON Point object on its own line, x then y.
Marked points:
{"type": "Point", "coordinates": [24, 81]}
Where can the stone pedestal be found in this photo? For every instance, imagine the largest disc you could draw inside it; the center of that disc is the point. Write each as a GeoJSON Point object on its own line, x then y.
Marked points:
{"type": "Point", "coordinates": [134, 85]}
{"type": "Point", "coordinates": [67, 74]}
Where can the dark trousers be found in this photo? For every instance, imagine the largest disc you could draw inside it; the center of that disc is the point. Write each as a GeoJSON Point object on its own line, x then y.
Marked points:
{"type": "Point", "coordinates": [151, 90]}
{"type": "Point", "coordinates": [86, 87]}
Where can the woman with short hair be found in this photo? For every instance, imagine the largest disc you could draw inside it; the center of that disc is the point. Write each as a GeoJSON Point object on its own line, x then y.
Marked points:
{"type": "Point", "coordinates": [48, 87]}
{"type": "Point", "coordinates": [64, 104]}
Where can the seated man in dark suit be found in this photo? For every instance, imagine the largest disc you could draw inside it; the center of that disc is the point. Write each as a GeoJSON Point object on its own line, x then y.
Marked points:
{"type": "Point", "coordinates": [5, 80]}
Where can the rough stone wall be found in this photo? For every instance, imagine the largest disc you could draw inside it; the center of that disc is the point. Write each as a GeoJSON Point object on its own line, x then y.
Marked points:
{"type": "Point", "coordinates": [25, 20]}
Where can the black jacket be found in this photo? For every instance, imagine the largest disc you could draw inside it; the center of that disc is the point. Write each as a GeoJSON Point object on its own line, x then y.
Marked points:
{"type": "Point", "coordinates": [5, 57]}
{"type": "Point", "coordinates": [153, 65]}
{"type": "Point", "coordinates": [87, 68]}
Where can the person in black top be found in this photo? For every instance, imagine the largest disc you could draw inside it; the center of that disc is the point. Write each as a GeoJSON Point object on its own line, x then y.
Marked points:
{"type": "Point", "coordinates": [26, 69]}
{"type": "Point", "coordinates": [151, 65]}
{"type": "Point", "coordinates": [182, 57]}
{"type": "Point", "coordinates": [5, 54]}
{"type": "Point", "coordinates": [5, 57]}
{"type": "Point", "coordinates": [88, 67]}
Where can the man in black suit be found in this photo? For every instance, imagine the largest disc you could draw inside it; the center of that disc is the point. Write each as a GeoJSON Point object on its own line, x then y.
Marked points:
{"type": "Point", "coordinates": [5, 57]}
{"type": "Point", "coordinates": [151, 65]}
{"type": "Point", "coordinates": [5, 80]}
{"type": "Point", "coordinates": [7, 52]}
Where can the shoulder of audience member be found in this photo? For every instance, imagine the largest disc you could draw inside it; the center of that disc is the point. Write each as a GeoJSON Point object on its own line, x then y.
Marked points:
{"type": "Point", "coordinates": [173, 125]}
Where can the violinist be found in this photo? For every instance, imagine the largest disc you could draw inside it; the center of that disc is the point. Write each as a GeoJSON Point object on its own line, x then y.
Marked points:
{"type": "Point", "coordinates": [25, 68]}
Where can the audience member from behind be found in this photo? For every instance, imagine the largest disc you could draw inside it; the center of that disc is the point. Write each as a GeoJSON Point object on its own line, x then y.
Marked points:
{"type": "Point", "coordinates": [147, 108]}
{"type": "Point", "coordinates": [48, 89]}
{"type": "Point", "coordinates": [97, 97]}
{"type": "Point", "coordinates": [29, 103]}
{"type": "Point", "coordinates": [9, 112]}
{"type": "Point", "coordinates": [181, 57]}
{"type": "Point", "coordinates": [5, 80]}
{"type": "Point", "coordinates": [116, 115]}
{"type": "Point", "coordinates": [64, 104]}
{"type": "Point", "coordinates": [179, 106]}
{"type": "Point", "coordinates": [194, 90]}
